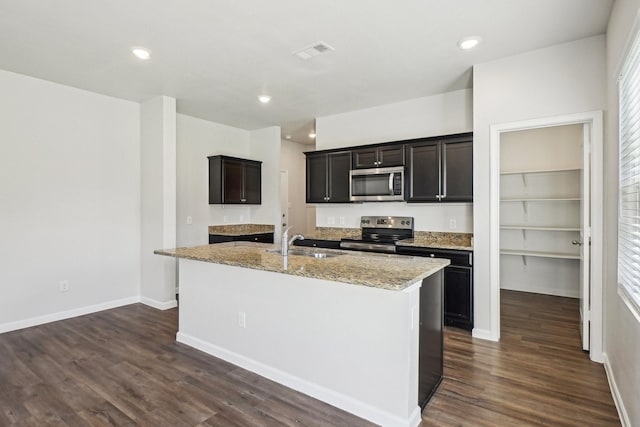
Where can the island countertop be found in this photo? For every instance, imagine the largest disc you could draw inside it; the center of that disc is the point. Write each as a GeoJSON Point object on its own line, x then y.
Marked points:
{"type": "Point", "coordinates": [391, 272]}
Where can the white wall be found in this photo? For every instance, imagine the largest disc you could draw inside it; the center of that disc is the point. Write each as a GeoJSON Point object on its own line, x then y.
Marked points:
{"type": "Point", "coordinates": [562, 79]}
{"type": "Point", "coordinates": [197, 139]}
{"type": "Point", "coordinates": [158, 200]}
{"type": "Point", "coordinates": [69, 201]}
{"type": "Point", "coordinates": [265, 146]}
{"type": "Point", "coordinates": [441, 114]}
{"type": "Point", "coordinates": [293, 161]}
{"type": "Point", "coordinates": [622, 330]}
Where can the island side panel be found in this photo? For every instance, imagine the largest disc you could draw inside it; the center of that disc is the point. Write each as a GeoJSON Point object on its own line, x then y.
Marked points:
{"type": "Point", "coordinates": [355, 347]}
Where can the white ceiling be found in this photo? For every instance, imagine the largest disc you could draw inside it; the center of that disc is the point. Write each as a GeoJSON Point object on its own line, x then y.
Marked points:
{"type": "Point", "coordinates": [216, 56]}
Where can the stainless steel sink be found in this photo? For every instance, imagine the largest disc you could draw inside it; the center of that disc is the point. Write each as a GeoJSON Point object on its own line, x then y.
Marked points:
{"type": "Point", "coordinates": [301, 252]}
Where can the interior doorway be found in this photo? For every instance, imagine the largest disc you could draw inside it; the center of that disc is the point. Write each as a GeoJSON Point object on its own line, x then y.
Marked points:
{"type": "Point", "coordinates": [546, 223]}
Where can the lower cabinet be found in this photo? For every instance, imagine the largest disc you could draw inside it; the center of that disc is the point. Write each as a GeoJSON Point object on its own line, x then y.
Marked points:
{"type": "Point", "coordinates": [458, 283]}
{"type": "Point", "coordinates": [458, 297]}
{"type": "Point", "coordinates": [260, 237]}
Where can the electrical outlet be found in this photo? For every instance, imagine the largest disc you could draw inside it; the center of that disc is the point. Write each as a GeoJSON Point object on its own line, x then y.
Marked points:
{"type": "Point", "coordinates": [452, 224]}
{"type": "Point", "coordinates": [242, 319]}
{"type": "Point", "coordinates": [189, 220]}
{"type": "Point", "coordinates": [342, 220]}
{"type": "Point", "coordinates": [225, 219]}
{"type": "Point", "coordinates": [331, 220]}
{"type": "Point", "coordinates": [64, 285]}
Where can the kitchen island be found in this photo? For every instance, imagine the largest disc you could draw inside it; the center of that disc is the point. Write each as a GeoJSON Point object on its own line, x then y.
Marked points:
{"type": "Point", "coordinates": [344, 328]}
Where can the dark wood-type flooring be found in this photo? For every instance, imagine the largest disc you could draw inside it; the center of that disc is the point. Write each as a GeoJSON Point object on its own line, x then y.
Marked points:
{"type": "Point", "coordinates": [537, 375]}
{"type": "Point", "coordinates": [123, 367]}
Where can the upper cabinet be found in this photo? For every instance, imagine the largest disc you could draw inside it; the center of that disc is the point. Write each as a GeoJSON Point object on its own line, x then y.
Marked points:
{"type": "Point", "coordinates": [234, 181]}
{"type": "Point", "coordinates": [328, 177]}
{"type": "Point", "coordinates": [440, 170]}
{"type": "Point", "coordinates": [378, 157]}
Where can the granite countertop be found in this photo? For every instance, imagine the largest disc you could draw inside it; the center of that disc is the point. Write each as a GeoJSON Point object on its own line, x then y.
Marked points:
{"type": "Point", "coordinates": [439, 240]}
{"type": "Point", "coordinates": [426, 239]}
{"type": "Point", "coordinates": [391, 272]}
{"type": "Point", "coordinates": [240, 229]}
{"type": "Point", "coordinates": [333, 233]}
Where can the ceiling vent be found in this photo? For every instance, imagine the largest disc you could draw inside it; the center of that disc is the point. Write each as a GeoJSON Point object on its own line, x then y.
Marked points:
{"type": "Point", "coordinates": [313, 50]}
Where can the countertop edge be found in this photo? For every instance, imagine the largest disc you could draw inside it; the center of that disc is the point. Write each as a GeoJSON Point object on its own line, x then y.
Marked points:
{"type": "Point", "coordinates": [437, 265]}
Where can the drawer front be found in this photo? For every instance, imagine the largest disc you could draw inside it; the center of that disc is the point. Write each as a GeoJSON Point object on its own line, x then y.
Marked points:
{"type": "Point", "coordinates": [316, 243]}
{"type": "Point", "coordinates": [461, 258]}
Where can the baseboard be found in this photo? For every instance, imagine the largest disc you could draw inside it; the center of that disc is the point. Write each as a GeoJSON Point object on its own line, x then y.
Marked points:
{"type": "Point", "coordinates": [484, 334]}
{"type": "Point", "coordinates": [324, 394]}
{"type": "Point", "coordinates": [545, 291]}
{"type": "Point", "coordinates": [62, 315]}
{"type": "Point", "coordinates": [615, 393]}
{"type": "Point", "coordinates": [160, 305]}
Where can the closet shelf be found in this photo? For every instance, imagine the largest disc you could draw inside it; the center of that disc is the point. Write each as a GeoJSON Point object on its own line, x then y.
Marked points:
{"type": "Point", "coordinates": [540, 171]}
{"type": "Point", "coordinates": [538, 228]}
{"type": "Point", "coordinates": [539, 254]}
{"type": "Point", "coordinates": [540, 199]}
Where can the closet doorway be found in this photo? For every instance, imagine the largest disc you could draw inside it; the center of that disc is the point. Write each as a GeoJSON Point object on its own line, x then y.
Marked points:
{"type": "Point", "coordinates": [547, 225]}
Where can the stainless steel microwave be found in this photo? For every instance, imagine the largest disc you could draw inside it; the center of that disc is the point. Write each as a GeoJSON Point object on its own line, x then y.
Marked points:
{"type": "Point", "coordinates": [376, 185]}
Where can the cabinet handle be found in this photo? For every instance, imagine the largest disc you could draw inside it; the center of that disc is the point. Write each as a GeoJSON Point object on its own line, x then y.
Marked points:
{"type": "Point", "coordinates": [243, 200]}
{"type": "Point", "coordinates": [576, 242]}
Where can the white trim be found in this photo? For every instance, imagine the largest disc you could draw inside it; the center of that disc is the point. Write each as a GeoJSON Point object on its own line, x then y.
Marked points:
{"type": "Point", "coordinates": [160, 305]}
{"type": "Point", "coordinates": [62, 315]}
{"type": "Point", "coordinates": [590, 117]}
{"type": "Point", "coordinates": [568, 293]}
{"type": "Point", "coordinates": [623, 293]}
{"type": "Point", "coordinates": [329, 396]}
{"type": "Point", "coordinates": [615, 393]}
{"type": "Point", "coordinates": [483, 334]}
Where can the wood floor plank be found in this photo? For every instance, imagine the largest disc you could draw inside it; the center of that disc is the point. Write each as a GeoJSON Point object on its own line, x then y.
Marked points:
{"type": "Point", "coordinates": [537, 375]}
{"type": "Point", "coordinates": [123, 367]}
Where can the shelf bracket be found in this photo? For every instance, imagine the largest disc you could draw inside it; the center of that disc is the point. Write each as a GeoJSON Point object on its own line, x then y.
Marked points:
{"type": "Point", "coordinates": [524, 234]}
{"type": "Point", "coordinates": [524, 207]}
{"type": "Point", "coordinates": [524, 260]}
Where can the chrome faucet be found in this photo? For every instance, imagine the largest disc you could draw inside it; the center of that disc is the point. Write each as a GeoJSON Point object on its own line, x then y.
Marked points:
{"type": "Point", "coordinates": [286, 242]}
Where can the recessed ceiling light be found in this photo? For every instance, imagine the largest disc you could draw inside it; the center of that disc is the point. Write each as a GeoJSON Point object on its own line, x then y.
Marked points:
{"type": "Point", "coordinates": [469, 42]}
{"type": "Point", "coordinates": [312, 135]}
{"type": "Point", "coordinates": [141, 52]}
{"type": "Point", "coordinates": [288, 136]}
{"type": "Point", "coordinates": [264, 98]}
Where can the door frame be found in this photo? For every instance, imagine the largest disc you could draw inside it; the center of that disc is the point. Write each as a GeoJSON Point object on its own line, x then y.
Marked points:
{"type": "Point", "coordinates": [595, 119]}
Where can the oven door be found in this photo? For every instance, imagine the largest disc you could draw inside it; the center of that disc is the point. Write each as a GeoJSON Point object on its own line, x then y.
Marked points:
{"type": "Point", "coordinates": [381, 184]}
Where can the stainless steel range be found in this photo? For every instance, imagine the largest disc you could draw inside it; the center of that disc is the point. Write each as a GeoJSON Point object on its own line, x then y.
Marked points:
{"type": "Point", "coordinates": [380, 233]}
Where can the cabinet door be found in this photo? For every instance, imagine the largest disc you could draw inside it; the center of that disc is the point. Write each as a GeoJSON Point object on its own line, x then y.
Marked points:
{"type": "Point", "coordinates": [317, 178]}
{"type": "Point", "coordinates": [391, 156]}
{"type": "Point", "coordinates": [424, 172]}
{"type": "Point", "coordinates": [339, 165]}
{"type": "Point", "coordinates": [232, 177]}
{"type": "Point", "coordinates": [457, 160]}
{"type": "Point", "coordinates": [458, 297]}
{"type": "Point", "coordinates": [252, 183]}
{"type": "Point", "coordinates": [365, 158]}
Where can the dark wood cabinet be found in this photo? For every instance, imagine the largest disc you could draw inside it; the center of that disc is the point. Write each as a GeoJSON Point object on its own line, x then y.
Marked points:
{"type": "Point", "coordinates": [458, 283]}
{"type": "Point", "coordinates": [378, 157]}
{"type": "Point", "coordinates": [257, 237]}
{"type": "Point", "coordinates": [458, 297]}
{"type": "Point", "coordinates": [318, 243]}
{"type": "Point", "coordinates": [328, 177]}
{"type": "Point", "coordinates": [234, 181]}
{"type": "Point", "coordinates": [440, 170]}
